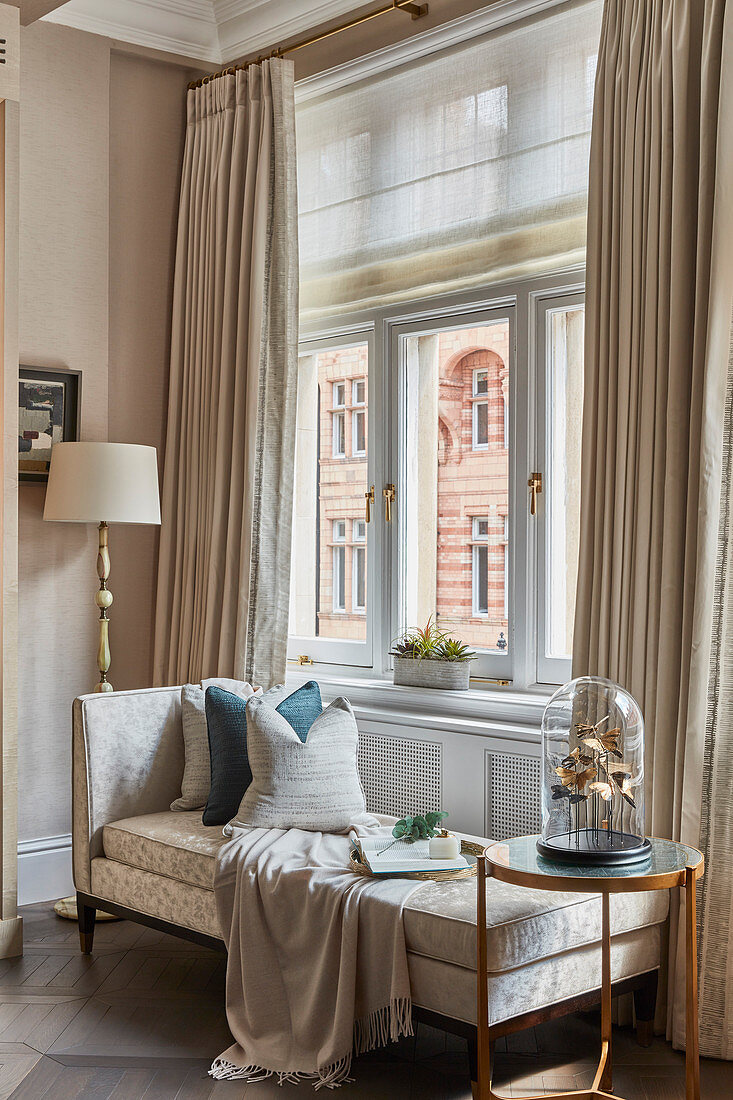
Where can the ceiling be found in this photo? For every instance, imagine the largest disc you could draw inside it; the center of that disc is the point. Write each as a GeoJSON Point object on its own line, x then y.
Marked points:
{"type": "Point", "coordinates": [208, 30]}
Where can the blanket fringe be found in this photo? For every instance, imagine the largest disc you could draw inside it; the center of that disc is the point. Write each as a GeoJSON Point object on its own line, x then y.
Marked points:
{"type": "Point", "coordinates": [385, 1025]}
{"type": "Point", "coordinates": [330, 1077]}
{"type": "Point", "coordinates": [375, 1030]}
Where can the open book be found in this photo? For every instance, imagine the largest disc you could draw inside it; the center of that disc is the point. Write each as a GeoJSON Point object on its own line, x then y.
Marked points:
{"type": "Point", "coordinates": [387, 856]}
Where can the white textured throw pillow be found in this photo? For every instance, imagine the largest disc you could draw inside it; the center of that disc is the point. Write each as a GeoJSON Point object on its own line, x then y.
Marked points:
{"type": "Point", "coordinates": [196, 782]}
{"type": "Point", "coordinates": [312, 786]}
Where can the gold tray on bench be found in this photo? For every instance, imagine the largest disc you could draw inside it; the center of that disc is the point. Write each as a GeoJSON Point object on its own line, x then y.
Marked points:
{"type": "Point", "coordinates": [469, 849]}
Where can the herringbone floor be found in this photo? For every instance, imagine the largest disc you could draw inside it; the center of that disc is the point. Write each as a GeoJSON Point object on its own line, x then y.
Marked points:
{"type": "Point", "coordinates": [144, 1016]}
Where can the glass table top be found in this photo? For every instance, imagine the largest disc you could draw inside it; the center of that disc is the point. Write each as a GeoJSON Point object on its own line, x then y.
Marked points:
{"type": "Point", "coordinates": [520, 854]}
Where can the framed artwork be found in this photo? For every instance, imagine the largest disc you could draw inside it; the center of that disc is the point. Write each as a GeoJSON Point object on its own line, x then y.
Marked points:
{"type": "Point", "coordinates": [49, 402]}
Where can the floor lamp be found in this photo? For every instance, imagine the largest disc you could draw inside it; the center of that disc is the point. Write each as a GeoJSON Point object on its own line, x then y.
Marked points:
{"type": "Point", "coordinates": [101, 483]}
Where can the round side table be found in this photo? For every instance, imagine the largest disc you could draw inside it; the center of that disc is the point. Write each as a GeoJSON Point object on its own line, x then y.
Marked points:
{"type": "Point", "coordinates": [669, 865]}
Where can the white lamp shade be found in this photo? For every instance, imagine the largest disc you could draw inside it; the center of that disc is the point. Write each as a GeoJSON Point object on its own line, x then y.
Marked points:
{"type": "Point", "coordinates": [92, 482]}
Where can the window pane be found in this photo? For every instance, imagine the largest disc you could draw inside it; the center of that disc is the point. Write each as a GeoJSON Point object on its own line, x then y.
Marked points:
{"type": "Point", "coordinates": [454, 495]}
{"type": "Point", "coordinates": [565, 367]}
{"type": "Point", "coordinates": [339, 435]}
{"type": "Point", "coordinates": [481, 424]}
{"type": "Point", "coordinates": [359, 566]}
{"type": "Point", "coordinates": [480, 382]}
{"type": "Point", "coordinates": [359, 392]}
{"type": "Point", "coordinates": [358, 430]}
{"type": "Point", "coordinates": [480, 580]}
{"type": "Point", "coordinates": [339, 571]}
{"type": "Point", "coordinates": [330, 483]}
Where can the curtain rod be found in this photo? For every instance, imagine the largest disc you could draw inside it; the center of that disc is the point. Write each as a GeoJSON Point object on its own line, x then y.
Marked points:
{"type": "Point", "coordinates": [415, 10]}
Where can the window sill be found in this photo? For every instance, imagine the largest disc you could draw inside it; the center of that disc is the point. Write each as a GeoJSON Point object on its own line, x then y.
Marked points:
{"type": "Point", "coordinates": [478, 711]}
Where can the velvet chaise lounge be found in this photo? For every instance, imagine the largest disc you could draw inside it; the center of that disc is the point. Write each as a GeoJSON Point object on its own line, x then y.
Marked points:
{"type": "Point", "coordinates": [136, 858]}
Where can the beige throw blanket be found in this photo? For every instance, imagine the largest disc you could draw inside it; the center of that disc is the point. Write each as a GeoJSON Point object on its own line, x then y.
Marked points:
{"type": "Point", "coordinates": [317, 963]}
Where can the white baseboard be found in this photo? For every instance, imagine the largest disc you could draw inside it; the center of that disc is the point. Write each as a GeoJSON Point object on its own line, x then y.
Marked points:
{"type": "Point", "coordinates": [44, 869]}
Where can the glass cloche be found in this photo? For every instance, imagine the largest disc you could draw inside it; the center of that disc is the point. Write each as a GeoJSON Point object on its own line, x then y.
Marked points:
{"type": "Point", "coordinates": [593, 775]}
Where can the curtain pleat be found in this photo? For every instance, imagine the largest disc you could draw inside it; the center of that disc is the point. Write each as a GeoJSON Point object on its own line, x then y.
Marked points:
{"type": "Point", "coordinates": [224, 566]}
{"type": "Point", "coordinates": [654, 379]}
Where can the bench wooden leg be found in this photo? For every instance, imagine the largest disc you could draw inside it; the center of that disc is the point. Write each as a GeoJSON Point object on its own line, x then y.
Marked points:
{"type": "Point", "coordinates": [87, 918]}
{"type": "Point", "coordinates": [645, 1007]}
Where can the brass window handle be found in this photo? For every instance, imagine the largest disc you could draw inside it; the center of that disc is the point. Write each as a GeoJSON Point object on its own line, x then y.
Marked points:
{"type": "Point", "coordinates": [369, 498]}
{"type": "Point", "coordinates": [535, 487]}
{"type": "Point", "coordinates": [390, 494]}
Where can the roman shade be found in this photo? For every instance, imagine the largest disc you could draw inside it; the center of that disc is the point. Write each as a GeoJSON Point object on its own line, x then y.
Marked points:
{"type": "Point", "coordinates": [466, 165]}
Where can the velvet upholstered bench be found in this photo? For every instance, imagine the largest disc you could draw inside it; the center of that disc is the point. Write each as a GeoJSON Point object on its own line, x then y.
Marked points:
{"type": "Point", "coordinates": [136, 858]}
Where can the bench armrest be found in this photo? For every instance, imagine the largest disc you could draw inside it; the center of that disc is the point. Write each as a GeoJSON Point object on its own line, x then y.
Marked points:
{"type": "Point", "coordinates": [127, 758]}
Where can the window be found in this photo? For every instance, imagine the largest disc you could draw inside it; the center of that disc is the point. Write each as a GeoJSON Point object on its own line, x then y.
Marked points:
{"type": "Point", "coordinates": [460, 546]}
{"type": "Point", "coordinates": [358, 431]}
{"type": "Point", "coordinates": [440, 359]}
{"type": "Point", "coordinates": [339, 566]}
{"type": "Point", "coordinates": [328, 590]}
{"type": "Point", "coordinates": [480, 409]}
{"type": "Point", "coordinates": [452, 520]}
{"type": "Point", "coordinates": [358, 417]}
{"type": "Point", "coordinates": [480, 574]}
{"type": "Point", "coordinates": [339, 435]}
{"type": "Point", "coordinates": [358, 566]}
{"type": "Point", "coordinates": [560, 325]}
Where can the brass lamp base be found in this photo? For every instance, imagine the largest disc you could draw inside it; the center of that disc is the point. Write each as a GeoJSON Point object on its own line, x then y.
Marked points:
{"type": "Point", "coordinates": [103, 600]}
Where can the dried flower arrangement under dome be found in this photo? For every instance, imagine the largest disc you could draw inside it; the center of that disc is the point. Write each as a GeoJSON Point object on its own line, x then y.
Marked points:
{"type": "Point", "coordinates": [593, 775]}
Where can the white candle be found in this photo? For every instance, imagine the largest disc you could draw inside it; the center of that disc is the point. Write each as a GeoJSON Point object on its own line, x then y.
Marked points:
{"type": "Point", "coordinates": [445, 847]}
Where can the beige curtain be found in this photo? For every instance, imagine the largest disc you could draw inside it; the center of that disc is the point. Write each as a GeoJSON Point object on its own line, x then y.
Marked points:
{"type": "Point", "coordinates": [656, 361]}
{"type": "Point", "coordinates": [223, 575]}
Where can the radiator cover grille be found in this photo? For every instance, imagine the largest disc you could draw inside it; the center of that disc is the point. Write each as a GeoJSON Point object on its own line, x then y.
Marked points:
{"type": "Point", "coordinates": [512, 795]}
{"type": "Point", "coordinates": [400, 776]}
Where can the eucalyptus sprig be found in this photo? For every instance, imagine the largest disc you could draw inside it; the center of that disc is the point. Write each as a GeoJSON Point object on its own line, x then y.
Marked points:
{"type": "Point", "coordinates": [415, 828]}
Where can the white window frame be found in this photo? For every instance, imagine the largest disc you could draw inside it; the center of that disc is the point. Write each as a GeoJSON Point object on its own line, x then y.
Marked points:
{"type": "Point", "coordinates": [550, 670]}
{"type": "Point", "coordinates": [352, 661]}
{"type": "Point", "coordinates": [344, 655]}
{"type": "Point", "coordinates": [490, 664]}
{"type": "Point", "coordinates": [355, 402]}
{"type": "Point", "coordinates": [338, 427]}
{"type": "Point", "coordinates": [336, 403]}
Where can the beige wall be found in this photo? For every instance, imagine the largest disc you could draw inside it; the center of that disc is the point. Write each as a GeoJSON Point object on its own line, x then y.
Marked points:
{"type": "Point", "coordinates": [147, 118]}
{"type": "Point", "coordinates": [100, 143]}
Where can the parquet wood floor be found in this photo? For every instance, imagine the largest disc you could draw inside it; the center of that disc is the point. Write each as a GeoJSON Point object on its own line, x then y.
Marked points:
{"type": "Point", "coordinates": [143, 1018]}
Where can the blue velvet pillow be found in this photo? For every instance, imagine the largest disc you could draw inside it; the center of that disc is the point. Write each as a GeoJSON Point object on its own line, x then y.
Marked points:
{"type": "Point", "coordinates": [226, 722]}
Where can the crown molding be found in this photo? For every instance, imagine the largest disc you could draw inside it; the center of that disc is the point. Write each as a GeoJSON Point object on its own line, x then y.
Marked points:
{"type": "Point", "coordinates": [220, 31]}
{"type": "Point", "coordinates": [246, 26]}
{"type": "Point", "coordinates": [184, 27]}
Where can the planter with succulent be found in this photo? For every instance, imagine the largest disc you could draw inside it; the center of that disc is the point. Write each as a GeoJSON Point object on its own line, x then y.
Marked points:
{"type": "Point", "coordinates": [428, 657]}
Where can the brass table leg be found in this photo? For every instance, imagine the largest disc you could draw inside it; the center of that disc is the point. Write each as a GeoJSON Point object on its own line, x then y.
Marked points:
{"type": "Point", "coordinates": [481, 1089]}
{"type": "Point", "coordinates": [605, 1069]}
{"type": "Point", "coordinates": [692, 1033]}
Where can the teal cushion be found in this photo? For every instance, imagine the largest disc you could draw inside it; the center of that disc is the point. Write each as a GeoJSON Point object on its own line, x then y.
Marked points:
{"type": "Point", "coordinates": [226, 722]}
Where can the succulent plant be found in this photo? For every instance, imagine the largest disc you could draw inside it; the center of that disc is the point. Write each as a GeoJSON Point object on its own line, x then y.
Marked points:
{"type": "Point", "coordinates": [432, 644]}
